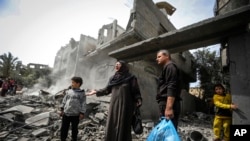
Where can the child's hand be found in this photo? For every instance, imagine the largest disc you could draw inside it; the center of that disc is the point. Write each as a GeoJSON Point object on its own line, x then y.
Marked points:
{"type": "Point", "coordinates": [233, 106]}
{"type": "Point", "coordinates": [61, 113]}
{"type": "Point", "coordinates": [81, 116]}
{"type": "Point", "coordinates": [92, 92]}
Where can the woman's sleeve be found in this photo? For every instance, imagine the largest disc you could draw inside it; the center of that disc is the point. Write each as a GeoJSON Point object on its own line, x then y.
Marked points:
{"type": "Point", "coordinates": [135, 89]}
{"type": "Point", "coordinates": [104, 91]}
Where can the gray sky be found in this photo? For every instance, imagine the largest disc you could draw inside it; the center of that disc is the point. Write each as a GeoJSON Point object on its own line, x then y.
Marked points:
{"type": "Point", "coordinates": [34, 30]}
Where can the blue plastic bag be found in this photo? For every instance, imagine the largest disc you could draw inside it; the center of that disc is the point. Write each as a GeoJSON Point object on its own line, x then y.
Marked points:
{"type": "Point", "coordinates": [164, 131]}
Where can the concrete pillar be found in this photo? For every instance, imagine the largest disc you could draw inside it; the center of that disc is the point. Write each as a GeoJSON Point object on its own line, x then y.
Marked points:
{"type": "Point", "coordinates": [239, 53]}
{"type": "Point", "coordinates": [114, 28]}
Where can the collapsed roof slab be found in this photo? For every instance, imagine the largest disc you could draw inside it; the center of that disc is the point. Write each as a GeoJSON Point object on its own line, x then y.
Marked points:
{"type": "Point", "coordinates": [204, 33]}
{"type": "Point", "coordinates": [146, 21]}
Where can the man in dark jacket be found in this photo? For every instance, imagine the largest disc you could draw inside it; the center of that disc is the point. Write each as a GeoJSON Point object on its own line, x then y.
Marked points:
{"type": "Point", "coordinates": [168, 92]}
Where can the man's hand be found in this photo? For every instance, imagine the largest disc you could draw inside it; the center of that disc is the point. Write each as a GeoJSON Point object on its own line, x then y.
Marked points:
{"type": "Point", "coordinates": [169, 113]}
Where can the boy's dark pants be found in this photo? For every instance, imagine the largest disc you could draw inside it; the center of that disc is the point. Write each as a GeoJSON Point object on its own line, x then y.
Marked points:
{"type": "Point", "coordinates": [66, 120]}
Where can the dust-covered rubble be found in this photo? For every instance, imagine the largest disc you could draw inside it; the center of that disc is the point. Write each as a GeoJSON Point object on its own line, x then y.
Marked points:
{"type": "Point", "coordinates": [36, 118]}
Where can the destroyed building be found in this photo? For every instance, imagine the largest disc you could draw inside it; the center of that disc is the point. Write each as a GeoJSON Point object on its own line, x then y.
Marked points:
{"type": "Point", "coordinates": [93, 59]}
{"type": "Point", "coordinates": [149, 30]}
{"type": "Point", "coordinates": [89, 57]}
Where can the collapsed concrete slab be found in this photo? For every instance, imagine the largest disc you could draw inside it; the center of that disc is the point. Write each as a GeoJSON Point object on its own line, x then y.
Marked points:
{"type": "Point", "coordinates": [21, 108]}
{"type": "Point", "coordinates": [41, 119]}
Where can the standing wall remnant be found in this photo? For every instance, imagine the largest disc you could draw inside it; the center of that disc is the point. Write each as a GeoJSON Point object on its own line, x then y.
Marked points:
{"type": "Point", "coordinates": [96, 66]}
{"type": "Point", "coordinates": [236, 65]}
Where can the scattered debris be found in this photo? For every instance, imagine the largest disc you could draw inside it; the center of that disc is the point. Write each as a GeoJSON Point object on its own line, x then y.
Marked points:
{"type": "Point", "coordinates": [26, 118]}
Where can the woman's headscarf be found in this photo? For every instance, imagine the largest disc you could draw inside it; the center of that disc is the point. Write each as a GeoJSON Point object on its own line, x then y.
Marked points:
{"type": "Point", "coordinates": [121, 76]}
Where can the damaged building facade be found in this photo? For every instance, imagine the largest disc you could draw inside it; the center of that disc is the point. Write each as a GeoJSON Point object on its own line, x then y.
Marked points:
{"type": "Point", "coordinates": [229, 28]}
{"type": "Point", "coordinates": [25, 118]}
{"type": "Point", "coordinates": [89, 57]}
{"type": "Point", "coordinates": [149, 30]}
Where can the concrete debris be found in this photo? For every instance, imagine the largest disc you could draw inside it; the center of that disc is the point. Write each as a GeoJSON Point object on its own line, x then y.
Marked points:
{"type": "Point", "coordinates": [21, 108]}
{"type": "Point", "coordinates": [28, 118]}
{"type": "Point", "coordinates": [39, 120]}
{"type": "Point", "coordinates": [40, 132]}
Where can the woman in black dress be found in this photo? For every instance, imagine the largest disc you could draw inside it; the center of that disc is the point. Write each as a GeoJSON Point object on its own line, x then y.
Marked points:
{"type": "Point", "coordinates": [125, 96]}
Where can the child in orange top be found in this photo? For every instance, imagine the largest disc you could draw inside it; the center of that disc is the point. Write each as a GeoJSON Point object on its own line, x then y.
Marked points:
{"type": "Point", "coordinates": [223, 113]}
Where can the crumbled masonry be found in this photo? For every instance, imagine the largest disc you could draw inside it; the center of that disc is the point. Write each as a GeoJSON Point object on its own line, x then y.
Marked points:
{"type": "Point", "coordinates": [35, 118]}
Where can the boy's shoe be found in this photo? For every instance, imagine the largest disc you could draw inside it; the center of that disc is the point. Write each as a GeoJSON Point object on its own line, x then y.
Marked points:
{"type": "Point", "coordinates": [216, 140]}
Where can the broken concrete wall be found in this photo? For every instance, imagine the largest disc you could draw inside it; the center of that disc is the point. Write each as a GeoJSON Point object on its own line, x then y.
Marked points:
{"type": "Point", "coordinates": [68, 57]}
{"type": "Point", "coordinates": [95, 66]}
{"type": "Point", "coordinates": [239, 53]}
{"type": "Point", "coordinates": [96, 70]}
{"type": "Point", "coordinates": [62, 61]}
{"type": "Point", "coordinates": [224, 6]}
{"type": "Point", "coordinates": [235, 52]}
{"type": "Point", "coordinates": [148, 20]}
{"type": "Point", "coordinates": [188, 104]}
{"type": "Point", "coordinates": [87, 44]}
{"type": "Point", "coordinates": [109, 32]}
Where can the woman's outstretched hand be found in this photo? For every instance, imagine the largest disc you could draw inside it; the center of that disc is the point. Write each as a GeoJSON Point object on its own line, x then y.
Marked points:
{"type": "Point", "coordinates": [92, 92]}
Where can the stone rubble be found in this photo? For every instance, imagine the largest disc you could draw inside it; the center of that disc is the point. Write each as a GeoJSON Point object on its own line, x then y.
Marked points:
{"type": "Point", "coordinates": [36, 118]}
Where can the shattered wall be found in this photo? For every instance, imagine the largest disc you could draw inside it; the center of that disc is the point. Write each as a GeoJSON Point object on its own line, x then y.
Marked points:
{"type": "Point", "coordinates": [235, 53]}
{"type": "Point", "coordinates": [224, 6]}
{"type": "Point", "coordinates": [90, 60]}
{"type": "Point", "coordinates": [109, 32]}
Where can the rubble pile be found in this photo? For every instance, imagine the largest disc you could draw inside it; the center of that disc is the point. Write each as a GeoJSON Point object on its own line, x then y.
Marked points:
{"type": "Point", "coordinates": [36, 118]}
{"type": "Point", "coordinates": [196, 124]}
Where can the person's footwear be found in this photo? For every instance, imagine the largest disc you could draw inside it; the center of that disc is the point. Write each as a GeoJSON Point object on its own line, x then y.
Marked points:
{"type": "Point", "coordinates": [216, 140]}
